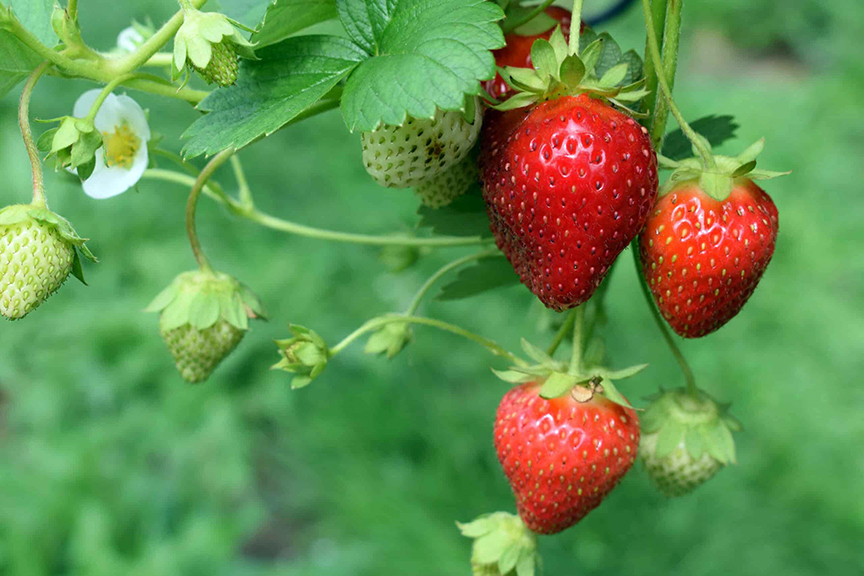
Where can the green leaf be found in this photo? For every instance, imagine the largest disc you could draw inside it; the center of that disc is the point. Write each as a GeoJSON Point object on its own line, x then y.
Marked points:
{"type": "Point", "coordinates": [509, 558]}
{"type": "Point", "coordinates": [425, 54]}
{"type": "Point", "coordinates": [614, 76]}
{"type": "Point", "coordinates": [572, 70]}
{"type": "Point", "coordinates": [626, 372]}
{"type": "Point", "coordinates": [634, 67]}
{"type": "Point", "coordinates": [35, 16]}
{"type": "Point", "coordinates": [287, 17]}
{"type": "Point", "coordinates": [537, 25]}
{"type": "Point", "coordinates": [289, 77]}
{"type": "Point", "coordinates": [716, 129]}
{"type": "Point", "coordinates": [466, 216]}
{"type": "Point", "coordinates": [247, 12]}
{"type": "Point", "coordinates": [77, 270]}
{"type": "Point", "coordinates": [487, 274]}
{"type": "Point", "coordinates": [557, 385]}
{"type": "Point", "coordinates": [476, 528]}
{"type": "Point", "coordinates": [164, 298]}
{"type": "Point", "coordinates": [16, 61]}
{"type": "Point", "coordinates": [489, 547]}
{"type": "Point", "coordinates": [610, 54]}
{"type": "Point", "coordinates": [526, 565]}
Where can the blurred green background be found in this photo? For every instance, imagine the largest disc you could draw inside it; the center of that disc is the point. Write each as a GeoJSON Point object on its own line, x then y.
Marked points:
{"type": "Point", "coordinates": [111, 465]}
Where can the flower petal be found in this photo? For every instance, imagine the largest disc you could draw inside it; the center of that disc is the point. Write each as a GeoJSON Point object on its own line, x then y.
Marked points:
{"type": "Point", "coordinates": [109, 182]}
{"type": "Point", "coordinates": [134, 115]}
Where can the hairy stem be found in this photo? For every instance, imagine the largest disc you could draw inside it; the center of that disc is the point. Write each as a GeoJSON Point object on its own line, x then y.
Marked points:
{"type": "Point", "coordinates": [661, 324]}
{"type": "Point", "coordinates": [578, 336]}
{"type": "Point", "coordinates": [27, 135]}
{"type": "Point", "coordinates": [418, 298]}
{"type": "Point", "coordinates": [566, 328]}
{"type": "Point", "coordinates": [311, 232]}
{"type": "Point", "coordinates": [192, 205]}
{"type": "Point", "coordinates": [381, 321]}
{"type": "Point", "coordinates": [671, 38]}
{"type": "Point", "coordinates": [575, 27]}
{"type": "Point", "coordinates": [658, 20]}
{"type": "Point", "coordinates": [654, 50]}
{"type": "Point", "coordinates": [510, 26]}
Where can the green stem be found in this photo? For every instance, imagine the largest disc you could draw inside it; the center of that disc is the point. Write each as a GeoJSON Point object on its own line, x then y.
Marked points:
{"type": "Point", "coordinates": [658, 18]}
{"type": "Point", "coordinates": [186, 5]}
{"type": "Point", "coordinates": [160, 60]}
{"type": "Point", "coordinates": [671, 39]}
{"type": "Point", "coordinates": [510, 26]}
{"type": "Point", "coordinates": [661, 324]}
{"type": "Point", "coordinates": [565, 329]}
{"type": "Point", "coordinates": [654, 50]}
{"type": "Point", "coordinates": [316, 233]}
{"type": "Point", "coordinates": [192, 204]}
{"type": "Point", "coordinates": [418, 298]}
{"type": "Point", "coordinates": [381, 321]}
{"type": "Point", "coordinates": [319, 234]}
{"type": "Point", "coordinates": [575, 27]}
{"type": "Point", "coordinates": [245, 192]}
{"type": "Point", "coordinates": [212, 190]}
{"type": "Point", "coordinates": [106, 91]}
{"type": "Point", "coordinates": [167, 90]}
{"type": "Point", "coordinates": [27, 135]}
{"type": "Point", "coordinates": [72, 9]}
{"type": "Point", "coordinates": [578, 334]}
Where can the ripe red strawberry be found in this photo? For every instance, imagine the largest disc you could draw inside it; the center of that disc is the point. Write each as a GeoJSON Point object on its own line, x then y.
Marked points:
{"type": "Point", "coordinates": [517, 52]}
{"type": "Point", "coordinates": [567, 183]}
{"type": "Point", "coordinates": [562, 457]}
{"type": "Point", "coordinates": [703, 258]}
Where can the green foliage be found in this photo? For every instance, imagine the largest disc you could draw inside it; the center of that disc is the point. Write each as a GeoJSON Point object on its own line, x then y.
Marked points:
{"type": "Point", "coordinates": [271, 92]}
{"type": "Point", "coordinates": [286, 17]}
{"type": "Point", "coordinates": [423, 54]}
{"type": "Point", "coordinates": [35, 15]}
{"type": "Point", "coordinates": [716, 129]}
{"type": "Point", "coordinates": [16, 61]}
{"type": "Point", "coordinates": [247, 12]}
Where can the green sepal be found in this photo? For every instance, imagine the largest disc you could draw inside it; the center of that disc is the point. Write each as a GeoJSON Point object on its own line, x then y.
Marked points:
{"type": "Point", "coordinates": [537, 354]}
{"type": "Point", "coordinates": [693, 442]}
{"type": "Point", "coordinates": [669, 438]}
{"type": "Point", "coordinates": [390, 340]}
{"type": "Point", "coordinates": [502, 543]}
{"type": "Point", "coordinates": [719, 180]}
{"type": "Point", "coordinates": [201, 299]}
{"type": "Point", "coordinates": [513, 377]}
{"type": "Point", "coordinates": [77, 270]}
{"type": "Point", "coordinates": [305, 355]}
{"type": "Point", "coordinates": [600, 70]}
{"type": "Point", "coordinates": [610, 391]}
{"type": "Point", "coordinates": [557, 384]}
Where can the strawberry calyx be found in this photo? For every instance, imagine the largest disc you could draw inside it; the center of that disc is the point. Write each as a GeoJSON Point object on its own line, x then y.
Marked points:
{"type": "Point", "coordinates": [502, 545]}
{"type": "Point", "coordinates": [18, 213]}
{"type": "Point", "coordinates": [203, 298]}
{"type": "Point", "coordinates": [600, 70]}
{"type": "Point", "coordinates": [715, 174]}
{"type": "Point", "coordinates": [694, 418]}
{"type": "Point", "coordinates": [560, 378]}
{"type": "Point", "coordinates": [305, 355]}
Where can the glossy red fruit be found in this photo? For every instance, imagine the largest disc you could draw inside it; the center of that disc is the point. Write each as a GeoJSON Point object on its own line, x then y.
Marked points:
{"type": "Point", "coordinates": [517, 52]}
{"type": "Point", "coordinates": [567, 183]}
{"type": "Point", "coordinates": [562, 457]}
{"type": "Point", "coordinates": [703, 258]}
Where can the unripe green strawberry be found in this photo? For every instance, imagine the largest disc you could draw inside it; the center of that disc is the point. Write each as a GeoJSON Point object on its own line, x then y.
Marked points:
{"type": "Point", "coordinates": [503, 546]}
{"type": "Point", "coordinates": [441, 190]}
{"type": "Point", "coordinates": [223, 66]}
{"type": "Point", "coordinates": [204, 316]}
{"type": "Point", "coordinates": [686, 440]}
{"type": "Point", "coordinates": [37, 253]}
{"type": "Point", "coordinates": [404, 156]}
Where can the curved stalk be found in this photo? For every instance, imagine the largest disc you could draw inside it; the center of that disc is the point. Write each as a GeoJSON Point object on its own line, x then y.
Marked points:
{"type": "Point", "coordinates": [671, 38]}
{"type": "Point", "coordinates": [192, 205]}
{"type": "Point", "coordinates": [578, 333]}
{"type": "Point", "coordinates": [661, 324]}
{"type": "Point", "coordinates": [565, 329]}
{"type": "Point", "coordinates": [418, 298]}
{"type": "Point", "coordinates": [106, 91]}
{"type": "Point", "coordinates": [658, 21]}
{"type": "Point", "coordinates": [309, 231]}
{"type": "Point", "coordinates": [27, 135]}
{"type": "Point", "coordinates": [654, 50]}
{"type": "Point", "coordinates": [381, 321]}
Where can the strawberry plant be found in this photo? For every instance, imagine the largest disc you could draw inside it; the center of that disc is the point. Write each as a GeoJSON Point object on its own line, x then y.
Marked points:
{"type": "Point", "coordinates": [534, 143]}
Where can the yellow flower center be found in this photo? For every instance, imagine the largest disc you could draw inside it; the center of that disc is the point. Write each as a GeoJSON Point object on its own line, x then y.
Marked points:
{"type": "Point", "coordinates": [121, 146]}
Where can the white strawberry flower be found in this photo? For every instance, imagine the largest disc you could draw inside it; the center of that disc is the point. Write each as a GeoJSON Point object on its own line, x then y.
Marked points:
{"type": "Point", "coordinates": [123, 157]}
